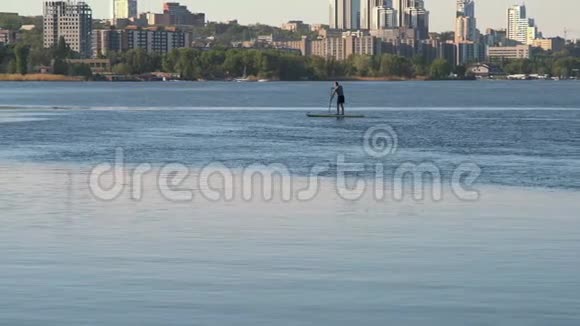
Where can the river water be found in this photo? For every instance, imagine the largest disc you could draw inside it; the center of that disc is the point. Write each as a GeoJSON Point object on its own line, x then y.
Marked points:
{"type": "Point", "coordinates": [509, 256]}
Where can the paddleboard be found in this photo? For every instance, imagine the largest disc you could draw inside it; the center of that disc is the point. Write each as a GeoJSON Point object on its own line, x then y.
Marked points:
{"type": "Point", "coordinates": [336, 116]}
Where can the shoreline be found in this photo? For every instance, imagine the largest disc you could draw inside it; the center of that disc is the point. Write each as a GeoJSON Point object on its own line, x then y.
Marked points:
{"type": "Point", "coordinates": [135, 79]}
{"type": "Point", "coordinates": [62, 78]}
{"type": "Point", "coordinates": [39, 78]}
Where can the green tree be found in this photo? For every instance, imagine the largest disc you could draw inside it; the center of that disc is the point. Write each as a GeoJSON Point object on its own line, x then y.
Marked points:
{"type": "Point", "coordinates": [121, 69]}
{"type": "Point", "coordinates": [138, 61]}
{"type": "Point", "coordinates": [82, 70]}
{"type": "Point", "coordinates": [318, 68]}
{"type": "Point", "coordinates": [170, 60]}
{"type": "Point", "coordinates": [10, 21]}
{"type": "Point", "coordinates": [21, 56]}
{"type": "Point", "coordinates": [62, 50]}
{"type": "Point", "coordinates": [234, 63]}
{"type": "Point", "coordinates": [60, 67]}
{"type": "Point", "coordinates": [12, 67]}
{"type": "Point", "coordinates": [39, 56]}
{"type": "Point", "coordinates": [270, 65]}
{"type": "Point", "coordinates": [520, 66]}
{"type": "Point", "coordinates": [566, 67]}
{"type": "Point", "coordinates": [211, 64]}
{"type": "Point", "coordinates": [292, 67]}
{"type": "Point", "coordinates": [440, 69]}
{"type": "Point", "coordinates": [392, 65]}
{"type": "Point", "coordinates": [460, 71]}
{"type": "Point", "coordinates": [187, 65]}
{"type": "Point", "coordinates": [362, 64]}
{"type": "Point", "coordinates": [420, 65]}
{"type": "Point", "coordinates": [5, 57]}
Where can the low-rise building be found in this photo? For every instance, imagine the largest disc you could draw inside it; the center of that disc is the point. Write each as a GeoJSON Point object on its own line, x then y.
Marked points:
{"type": "Point", "coordinates": [174, 14]}
{"type": "Point", "coordinates": [508, 52]}
{"type": "Point", "coordinates": [304, 46]}
{"type": "Point", "coordinates": [338, 48]}
{"type": "Point", "coordinates": [483, 70]}
{"type": "Point", "coordinates": [296, 26]}
{"type": "Point", "coordinates": [8, 36]}
{"type": "Point", "coordinates": [27, 27]}
{"type": "Point", "coordinates": [317, 27]}
{"type": "Point", "coordinates": [550, 44]}
{"type": "Point", "coordinates": [98, 66]}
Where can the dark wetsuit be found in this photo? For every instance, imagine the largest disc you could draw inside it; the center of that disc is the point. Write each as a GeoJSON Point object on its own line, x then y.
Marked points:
{"type": "Point", "coordinates": [339, 91]}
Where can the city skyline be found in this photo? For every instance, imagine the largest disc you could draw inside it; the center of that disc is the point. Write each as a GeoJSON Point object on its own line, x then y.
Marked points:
{"type": "Point", "coordinates": [490, 13]}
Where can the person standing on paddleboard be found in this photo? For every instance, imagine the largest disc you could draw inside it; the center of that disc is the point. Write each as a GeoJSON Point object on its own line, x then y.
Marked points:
{"type": "Point", "coordinates": [340, 100]}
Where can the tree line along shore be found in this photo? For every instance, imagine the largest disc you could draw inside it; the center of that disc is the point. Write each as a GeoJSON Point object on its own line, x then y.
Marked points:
{"type": "Point", "coordinates": [219, 64]}
{"type": "Point", "coordinates": [18, 63]}
{"type": "Point", "coordinates": [22, 61]}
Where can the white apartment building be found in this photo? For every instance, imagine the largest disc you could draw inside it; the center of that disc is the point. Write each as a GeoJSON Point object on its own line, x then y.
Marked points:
{"type": "Point", "coordinates": [521, 28]}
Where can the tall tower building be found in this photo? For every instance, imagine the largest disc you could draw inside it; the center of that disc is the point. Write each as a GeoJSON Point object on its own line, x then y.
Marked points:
{"type": "Point", "coordinates": [411, 13]}
{"type": "Point", "coordinates": [124, 9]}
{"type": "Point", "coordinates": [367, 19]}
{"type": "Point", "coordinates": [521, 28]}
{"type": "Point", "coordinates": [383, 17]}
{"type": "Point", "coordinates": [344, 14]}
{"type": "Point", "coordinates": [399, 6]}
{"type": "Point", "coordinates": [417, 17]}
{"type": "Point", "coordinates": [353, 11]}
{"type": "Point", "coordinates": [71, 20]}
{"type": "Point", "coordinates": [466, 8]}
{"type": "Point", "coordinates": [518, 24]}
{"type": "Point", "coordinates": [465, 23]}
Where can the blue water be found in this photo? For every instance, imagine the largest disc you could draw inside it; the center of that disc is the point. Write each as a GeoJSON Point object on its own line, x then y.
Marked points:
{"type": "Point", "coordinates": [520, 134]}
{"type": "Point", "coordinates": [510, 258]}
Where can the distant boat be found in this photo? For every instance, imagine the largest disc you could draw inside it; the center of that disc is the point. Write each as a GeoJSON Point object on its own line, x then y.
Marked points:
{"type": "Point", "coordinates": [263, 80]}
{"type": "Point", "coordinates": [244, 79]}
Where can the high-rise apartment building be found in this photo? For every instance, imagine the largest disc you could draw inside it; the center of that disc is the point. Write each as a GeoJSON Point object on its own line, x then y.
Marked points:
{"type": "Point", "coordinates": [344, 14]}
{"type": "Point", "coordinates": [366, 11]}
{"type": "Point", "coordinates": [71, 20]}
{"type": "Point", "coordinates": [353, 7]}
{"type": "Point", "coordinates": [403, 10]}
{"type": "Point", "coordinates": [153, 40]}
{"type": "Point", "coordinates": [465, 23]}
{"type": "Point", "coordinates": [466, 8]}
{"type": "Point", "coordinates": [124, 9]}
{"type": "Point", "coordinates": [521, 28]}
{"type": "Point", "coordinates": [418, 19]}
{"type": "Point", "coordinates": [387, 14]}
{"type": "Point", "coordinates": [468, 47]}
{"type": "Point", "coordinates": [383, 17]}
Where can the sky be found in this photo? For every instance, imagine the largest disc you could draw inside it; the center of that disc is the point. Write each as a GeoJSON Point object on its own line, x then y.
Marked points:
{"type": "Point", "coordinates": [551, 16]}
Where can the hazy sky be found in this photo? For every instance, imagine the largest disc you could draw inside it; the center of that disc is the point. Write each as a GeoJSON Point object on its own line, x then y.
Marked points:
{"type": "Point", "coordinates": [551, 15]}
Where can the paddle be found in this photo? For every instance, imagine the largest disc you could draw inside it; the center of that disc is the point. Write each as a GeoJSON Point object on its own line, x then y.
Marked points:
{"type": "Point", "coordinates": [331, 97]}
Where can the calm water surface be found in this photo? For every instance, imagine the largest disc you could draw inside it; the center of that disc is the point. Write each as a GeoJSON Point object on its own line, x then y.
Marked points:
{"type": "Point", "coordinates": [510, 258]}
